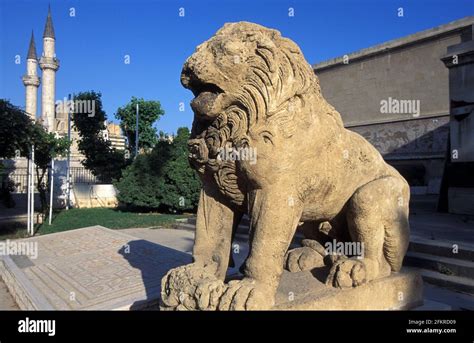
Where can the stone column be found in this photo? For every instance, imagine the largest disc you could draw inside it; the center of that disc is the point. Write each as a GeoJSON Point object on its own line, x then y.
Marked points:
{"type": "Point", "coordinates": [49, 65]}
{"type": "Point", "coordinates": [31, 80]}
{"type": "Point", "coordinates": [457, 191]}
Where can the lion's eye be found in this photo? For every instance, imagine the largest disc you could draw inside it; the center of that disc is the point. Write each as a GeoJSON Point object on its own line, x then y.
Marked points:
{"type": "Point", "coordinates": [267, 137]}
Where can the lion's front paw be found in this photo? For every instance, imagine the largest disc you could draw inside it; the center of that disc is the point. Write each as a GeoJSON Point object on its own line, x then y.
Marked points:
{"type": "Point", "coordinates": [208, 293]}
{"type": "Point", "coordinates": [346, 273]}
{"type": "Point", "coordinates": [191, 287]}
{"type": "Point", "coordinates": [247, 294]}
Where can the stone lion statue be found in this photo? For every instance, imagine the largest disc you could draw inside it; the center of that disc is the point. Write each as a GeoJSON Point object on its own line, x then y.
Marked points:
{"type": "Point", "coordinates": [254, 91]}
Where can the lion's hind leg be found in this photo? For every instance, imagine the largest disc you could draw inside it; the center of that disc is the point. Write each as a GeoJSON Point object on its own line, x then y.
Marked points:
{"type": "Point", "coordinates": [377, 217]}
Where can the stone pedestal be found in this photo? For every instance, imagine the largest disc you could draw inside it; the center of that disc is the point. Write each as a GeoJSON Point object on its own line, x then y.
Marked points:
{"type": "Point", "coordinates": [307, 291]}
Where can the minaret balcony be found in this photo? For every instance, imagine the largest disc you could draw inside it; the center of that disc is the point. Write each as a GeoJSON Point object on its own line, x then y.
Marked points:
{"type": "Point", "coordinates": [49, 63]}
{"type": "Point", "coordinates": [31, 80]}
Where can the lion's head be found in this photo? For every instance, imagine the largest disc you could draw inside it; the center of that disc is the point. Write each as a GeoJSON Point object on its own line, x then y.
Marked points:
{"type": "Point", "coordinates": [248, 83]}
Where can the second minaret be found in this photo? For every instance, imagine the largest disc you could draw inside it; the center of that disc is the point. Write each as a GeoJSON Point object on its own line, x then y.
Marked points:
{"type": "Point", "coordinates": [31, 80]}
{"type": "Point", "coordinates": [49, 64]}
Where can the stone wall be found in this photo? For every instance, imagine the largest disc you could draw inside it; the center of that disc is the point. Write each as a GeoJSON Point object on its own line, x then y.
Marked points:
{"type": "Point", "coordinates": [410, 68]}
{"type": "Point", "coordinates": [410, 73]}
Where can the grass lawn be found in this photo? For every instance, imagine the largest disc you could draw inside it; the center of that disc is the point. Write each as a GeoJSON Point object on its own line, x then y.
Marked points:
{"type": "Point", "coordinates": [111, 218]}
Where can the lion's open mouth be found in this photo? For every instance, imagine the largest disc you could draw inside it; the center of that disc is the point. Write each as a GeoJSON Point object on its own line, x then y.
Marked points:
{"type": "Point", "coordinates": [198, 87]}
{"type": "Point", "coordinates": [206, 104]}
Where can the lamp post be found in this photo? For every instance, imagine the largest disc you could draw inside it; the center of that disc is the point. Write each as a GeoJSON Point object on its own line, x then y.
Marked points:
{"type": "Point", "coordinates": [32, 196]}
{"type": "Point", "coordinates": [136, 134]}
{"type": "Point", "coordinates": [51, 192]}
{"type": "Point", "coordinates": [68, 168]}
{"type": "Point", "coordinates": [28, 190]}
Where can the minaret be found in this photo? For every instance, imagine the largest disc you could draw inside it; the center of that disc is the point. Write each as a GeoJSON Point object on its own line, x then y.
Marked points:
{"type": "Point", "coordinates": [49, 64]}
{"type": "Point", "coordinates": [31, 79]}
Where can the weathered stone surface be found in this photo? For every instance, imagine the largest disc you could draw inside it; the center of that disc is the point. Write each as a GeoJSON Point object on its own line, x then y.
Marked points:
{"type": "Point", "coordinates": [256, 96]}
{"type": "Point", "coordinates": [303, 291]}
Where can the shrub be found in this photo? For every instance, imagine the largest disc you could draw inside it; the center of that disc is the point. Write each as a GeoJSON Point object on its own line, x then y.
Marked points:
{"type": "Point", "coordinates": [161, 179]}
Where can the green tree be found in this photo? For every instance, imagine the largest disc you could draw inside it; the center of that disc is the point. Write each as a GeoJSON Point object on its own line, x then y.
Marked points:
{"type": "Point", "coordinates": [47, 146]}
{"type": "Point", "coordinates": [16, 129]}
{"type": "Point", "coordinates": [182, 185]}
{"type": "Point", "coordinates": [18, 133]}
{"type": "Point", "coordinates": [101, 159]}
{"type": "Point", "coordinates": [162, 179]}
{"type": "Point", "coordinates": [149, 111]}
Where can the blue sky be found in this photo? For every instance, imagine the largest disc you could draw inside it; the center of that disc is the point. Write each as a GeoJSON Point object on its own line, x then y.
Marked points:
{"type": "Point", "coordinates": [91, 46]}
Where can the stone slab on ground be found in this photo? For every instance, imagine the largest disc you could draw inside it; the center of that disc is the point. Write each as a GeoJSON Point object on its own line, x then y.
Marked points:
{"type": "Point", "coordinates": [171, 238]}
{"type": "Point", "coordinates": [307, 291]}
{"type": "Point", "coordinates": [92, 268]}
{"type": "Point", "coordinates": [183, 240]}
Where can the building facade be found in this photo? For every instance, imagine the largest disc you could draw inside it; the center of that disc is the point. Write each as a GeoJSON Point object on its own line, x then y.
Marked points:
{"type": "Point", "coordinates": [113, 133]}
{"type": "Point", "coordinates": [396, 95]}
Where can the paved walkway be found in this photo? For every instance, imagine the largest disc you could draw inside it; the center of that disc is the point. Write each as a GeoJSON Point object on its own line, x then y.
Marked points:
{"type": "Point", "coordinates": [6, 299]}
{"type": "Point", "coordinates": [181, 240]}
{"type": "Point", "coordinates": [91, 268]}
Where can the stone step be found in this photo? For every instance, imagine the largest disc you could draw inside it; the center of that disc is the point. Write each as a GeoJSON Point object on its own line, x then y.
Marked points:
{"type": "Point", "coordinates": [456, 283]}
{"type": "Point", "coordinates": [443, 265]}
{"type": "Point", "coordinates": [245, 221]}
{"type": "Point", "coordinates": [458, 301]}
{"type": "Point", "coordinates": [461, 251]}
{"type": "Point", "coordinates": [430, 305]}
